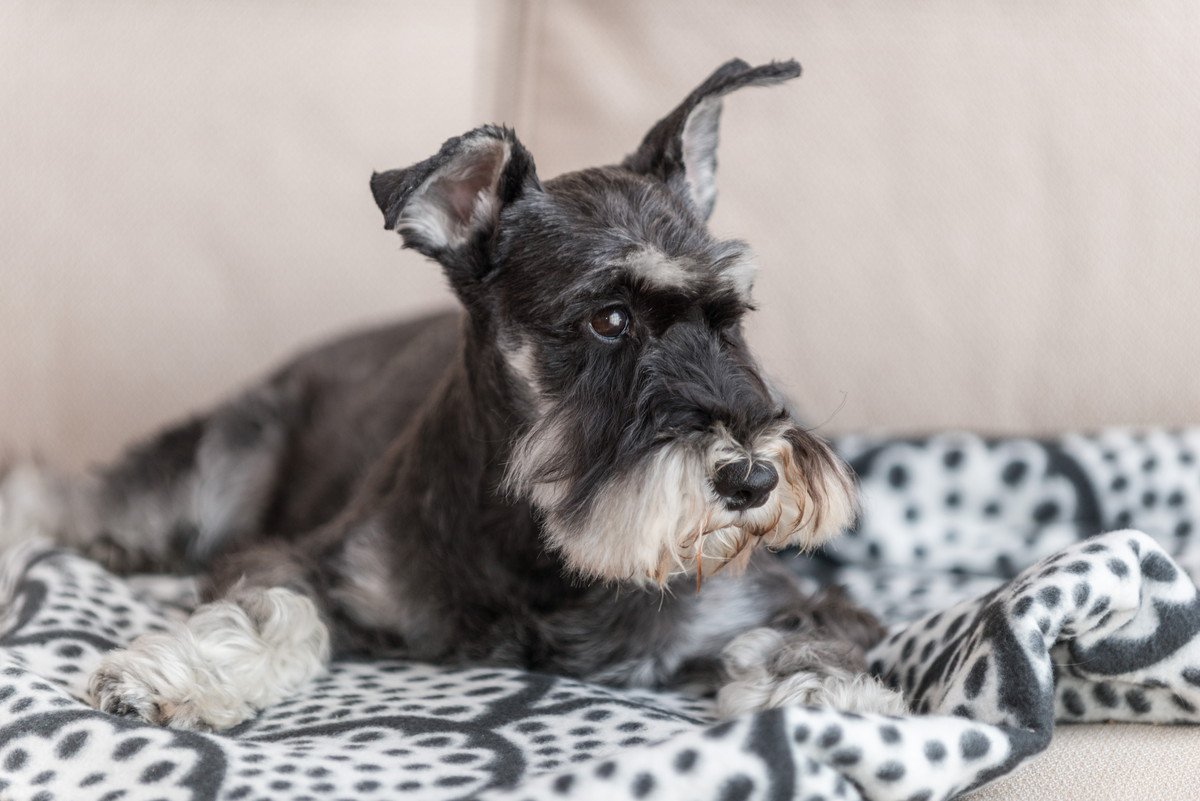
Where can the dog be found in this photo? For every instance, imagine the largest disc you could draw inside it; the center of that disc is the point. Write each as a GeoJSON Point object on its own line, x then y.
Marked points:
{"type": "Point", "coordinates": [582, 472]}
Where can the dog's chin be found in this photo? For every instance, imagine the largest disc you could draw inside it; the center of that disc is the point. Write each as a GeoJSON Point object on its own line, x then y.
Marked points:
{"type": "Point", "coordinates": [663, 520]}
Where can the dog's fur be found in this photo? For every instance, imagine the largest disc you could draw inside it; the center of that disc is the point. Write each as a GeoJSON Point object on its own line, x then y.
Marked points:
{"type": "Point", "coordinates": [507, 485]}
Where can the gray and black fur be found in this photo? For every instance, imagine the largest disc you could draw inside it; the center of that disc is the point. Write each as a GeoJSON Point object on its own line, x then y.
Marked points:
{"type": "Point", "coordinates": [455, 488]}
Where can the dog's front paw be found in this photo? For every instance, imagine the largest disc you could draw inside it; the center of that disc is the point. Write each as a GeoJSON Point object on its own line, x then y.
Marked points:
{"type": "Point", "coordinates": [163, 679]}
{"type": "Point", "coordinates": [768, 669]}
{"type": "Point", "coordinates": [232, 658]}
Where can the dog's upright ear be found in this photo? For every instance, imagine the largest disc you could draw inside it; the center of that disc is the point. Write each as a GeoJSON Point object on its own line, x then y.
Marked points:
{"type": "Point", "coordinates": [681, 150]}
{"type": "Point", "coordinates": [448, 206]}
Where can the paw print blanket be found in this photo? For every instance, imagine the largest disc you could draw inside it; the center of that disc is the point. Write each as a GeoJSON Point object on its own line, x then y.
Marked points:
{"type": "Point", "coordinates": [1009, 614]}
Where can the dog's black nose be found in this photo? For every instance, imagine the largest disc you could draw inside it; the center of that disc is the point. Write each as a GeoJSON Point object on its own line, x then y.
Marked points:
{"type": "Point", "coordinates": [745, 484]}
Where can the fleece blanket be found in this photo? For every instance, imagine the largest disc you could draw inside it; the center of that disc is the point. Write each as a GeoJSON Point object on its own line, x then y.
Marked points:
{"type": "Point", "coordinates": [1008, 613]}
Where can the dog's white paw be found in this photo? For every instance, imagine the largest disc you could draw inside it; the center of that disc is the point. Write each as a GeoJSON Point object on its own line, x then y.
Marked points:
{"type": "Point", "coordinates": [768, 669]}
{"type": "Point", "coordinates": [165, 680]}
{"type": "Point", "coordinates": [231, 659]}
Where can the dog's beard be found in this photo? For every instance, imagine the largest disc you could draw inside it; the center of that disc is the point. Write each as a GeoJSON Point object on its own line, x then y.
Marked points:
{"type": "Point", "coordinates": [663, 519]}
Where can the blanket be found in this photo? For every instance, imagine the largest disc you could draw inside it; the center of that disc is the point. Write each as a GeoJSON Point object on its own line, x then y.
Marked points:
{"type": "Point", "coordinates": [1007, 612]}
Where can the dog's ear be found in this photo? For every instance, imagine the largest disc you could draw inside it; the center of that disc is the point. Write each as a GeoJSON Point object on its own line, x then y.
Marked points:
{"type": "Point", "coordinates": [681, 149]}
{"type": "Point", "coordinates": [447, 206]}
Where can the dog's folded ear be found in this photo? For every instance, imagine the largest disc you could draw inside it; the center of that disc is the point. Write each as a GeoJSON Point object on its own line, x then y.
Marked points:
{"type": "Point", "coordinates": [681, 149]}
{"type": "Point", "coordinates": [447, 206]}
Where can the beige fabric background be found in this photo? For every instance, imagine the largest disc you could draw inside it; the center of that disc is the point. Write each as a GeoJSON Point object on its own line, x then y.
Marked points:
{"type": "Point", "coordinates": [980, 214]}
{"type": "Point", "coordinates": [968, 214]}
{"type": "Point", "coordinates": [1115, 762]}
{"type": "Point", "coordinates": [184, 199]}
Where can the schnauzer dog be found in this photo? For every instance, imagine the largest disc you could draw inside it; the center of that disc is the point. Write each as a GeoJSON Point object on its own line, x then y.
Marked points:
{"type": "Point", "coordinates": [584, 473]}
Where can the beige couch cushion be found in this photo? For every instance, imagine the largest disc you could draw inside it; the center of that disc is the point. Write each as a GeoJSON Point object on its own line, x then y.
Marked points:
{"type": "Point", "coordinates": [968, 213]}
{"type": "Point", "coordinates": [1123, 762]}
{"type": "Point", "coordinates": [184, 195]}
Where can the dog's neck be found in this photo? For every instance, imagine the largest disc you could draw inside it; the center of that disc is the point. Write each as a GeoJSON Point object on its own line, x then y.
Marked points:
{"type": "Point", "coordinates": [440, 485]}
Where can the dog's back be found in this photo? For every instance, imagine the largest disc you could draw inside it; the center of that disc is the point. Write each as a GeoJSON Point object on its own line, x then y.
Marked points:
{"type": "Point", "coordinates": [279, 459]}
{"type": "Point", "coordinates": [355, 396]}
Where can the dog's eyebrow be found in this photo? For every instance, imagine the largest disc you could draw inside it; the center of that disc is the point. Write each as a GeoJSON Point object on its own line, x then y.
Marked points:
{"type": "Point", "coordinates": [647, 264]}
{"type": "Point", "coordinates": [660, 308]}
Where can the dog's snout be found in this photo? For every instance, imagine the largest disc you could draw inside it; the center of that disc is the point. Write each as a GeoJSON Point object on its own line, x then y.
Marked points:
{"type": "Point", "coordinates": [745, 484]}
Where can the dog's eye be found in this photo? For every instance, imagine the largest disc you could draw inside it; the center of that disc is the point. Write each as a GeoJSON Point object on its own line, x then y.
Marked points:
{"type": "Point", "coordinates": [610, 323]}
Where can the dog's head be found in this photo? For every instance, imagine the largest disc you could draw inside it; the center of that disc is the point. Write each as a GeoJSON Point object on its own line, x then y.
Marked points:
{"type": "Point", "coordinates": [652, 444]}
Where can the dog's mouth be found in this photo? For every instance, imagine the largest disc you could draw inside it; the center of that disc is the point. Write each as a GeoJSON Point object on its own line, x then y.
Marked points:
{"type": "Point", "coordinates": [791, 492]}
{"type": "Point", "coordinates": [730, 532]}
{"type": "Point", "coordinates": [726, 547]}
{"type": "Point", "coordinates": [667, 519]}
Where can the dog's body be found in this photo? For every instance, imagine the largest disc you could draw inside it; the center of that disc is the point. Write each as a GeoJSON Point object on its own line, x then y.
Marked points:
{"type": "Point", "coordinates": [550, 481]}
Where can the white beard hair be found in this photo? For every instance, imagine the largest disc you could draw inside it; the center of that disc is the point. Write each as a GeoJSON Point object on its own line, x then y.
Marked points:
{"type": "Point", "coordinates": [537, 448]}
{"type": "Point", "coordinates": [635, 527]}
{"type": "Point", "coordinates": [817, 504]}
{"type": "Point", "coordinates": [664, 519]}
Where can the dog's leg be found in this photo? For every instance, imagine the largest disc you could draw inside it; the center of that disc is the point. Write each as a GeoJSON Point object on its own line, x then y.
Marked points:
{"type": "Point", "coordinates": [813, 653]}
{"type": "Point", "coordinates": [767, 668]}
{"type": "Point", "coordinates": [757, 641]}
{"type": "Point", "coordinates": [166, 504]}
{"type": "Point", "coordinates": [257, 644]}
